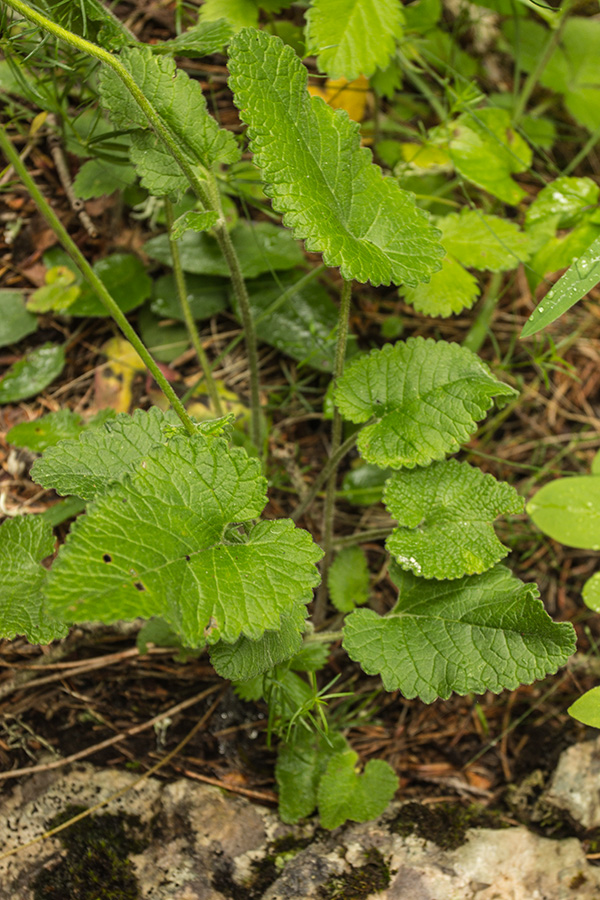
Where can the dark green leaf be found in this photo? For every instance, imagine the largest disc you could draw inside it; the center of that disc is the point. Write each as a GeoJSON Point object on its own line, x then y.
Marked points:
{"type": "Point", "coordinates": [245, 659]}
{"type": "Point", "coordinates": [15, 322]}
{"type": "Point", "coordinates": [126, 280]}
{"type": "Point", "coordinates": [345, 794]}
{"type": "Point", "coordinates": [300, 766]}
{"type": "Point", "coordinates": [32, 374]}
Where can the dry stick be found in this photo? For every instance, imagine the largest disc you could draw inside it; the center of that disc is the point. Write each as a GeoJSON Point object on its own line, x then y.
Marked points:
{"type": "Point", "coordinates": [265, 796]}
{"type": "Point", "coordinates": [115, 739]}
{"type": "Point", "coordinates": [320, 610]}
{"type": "Point", "coordinates": [159, 765]}
{"type": "Point", "coordinates": [187, 313]}
{"type": "Point", "coordinates": [76, 203]}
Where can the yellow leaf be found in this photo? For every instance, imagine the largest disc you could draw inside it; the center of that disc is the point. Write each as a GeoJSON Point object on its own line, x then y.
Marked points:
{"type": "Point", "coordinates": [202, 409]}
{"type": "Point", "coordinates": [424, 156]}
{"type": "Point", "coordinates": [114, 382]}
{"type": "Point", "coordinates": [349, 95]}
{"type": "Point", "coordinates": [37, 122]}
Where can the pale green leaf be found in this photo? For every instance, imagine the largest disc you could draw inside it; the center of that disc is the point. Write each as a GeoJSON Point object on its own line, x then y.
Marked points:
{"type": "Point", "coordinates": [319, 177]}
{"type": "Point", "coordinates": [203, 39]}
{"type": "Point", "coordinates": [566, 198]}
{"type": "Point", "coordinates": [193, 220]}
{"type": "Point", "coordinates": [586, 709]}
{"type": "Point", "coordinates": [300, 766]}
{"type": "Point", "coordinates": [478, 633]}
{"type": "Point", "coordinates": [479, 241]}
{"type": "Point", "coordinates": [57, 294]}
{"type": "Point", "coordinates": [353, 37]}
{"type": "Point", "coordinates": [364, 485]}
{"type": "Point", "coordinates": [568, 510]}
{"type": "Point", "coordinates": [31, 374]}
{"type": "Point", "coordinates": [261, 247]}
{"type": "Point", "coordinates": [179, 101]}
{"type": "Point", "coordinates": [46, 431]}
{"type": "Point", "coordinates": [165, 340]}
{"type": "Point", "coordinates": [345, 794]}
{"type": "Point", "coordinates": [595, 468]}
{"type": "Point", "coordinates": [445, 515]}
{"type": "Point", "coordinates": [98, 177]}
{"type": "Point", "coordinates": [583, 275]}
{"type": "Point", "coordinates": [126, 280]}
{"type": "Point", "coordinates": [15, 321]}
{"type": "Point", "coordinates": [99, 458]}
{"type": "Point", "coordinates": [158, 544]}
{"type": "Point", "coordinates": [239, 13]}
{"type": "Point", "coordinates": [591, 592]}
{"type": "Point", "coordinates": [245, 659]}
{"type": "Point", "coordinates": [427, 396]}
{"type": "Point", "coordinates": [448, 292]}
{"type": "Point", "coordinates": [24, 542]}
{"type": "Point", "coordinates": [348, 579]}
{"type": "Point", "coordinates": [62, 511]}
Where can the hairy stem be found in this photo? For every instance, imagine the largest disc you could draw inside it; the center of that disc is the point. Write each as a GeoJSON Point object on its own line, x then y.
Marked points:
{"type": "Point", "coordinates": [211, 387]}
{"type": "Point", "coordinates": [329, 467]}
{"type": "Point", "coordinates": [320, 610]}
{"type": "Point", "coordinates": [93, 280]}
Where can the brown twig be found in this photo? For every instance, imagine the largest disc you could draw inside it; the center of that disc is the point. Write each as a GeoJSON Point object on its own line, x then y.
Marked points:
{"type": "Point", "coordinates": [264, 796]}
{"type": "Point", "coordinates": [76, 204]}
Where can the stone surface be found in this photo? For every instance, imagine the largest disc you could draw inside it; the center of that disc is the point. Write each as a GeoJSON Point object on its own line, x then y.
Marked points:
{"type": "Point", "coordinates": [575, 785]}
{"type": "Point", "coordinates": [198, 843]}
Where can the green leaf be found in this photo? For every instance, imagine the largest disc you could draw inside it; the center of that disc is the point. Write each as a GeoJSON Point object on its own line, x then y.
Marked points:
{"type": "Point", "coordinates": [193, 220]}
{"type": "Point", "coordinates": [126, 280]}
{"type": "Point", "coordinates": [364, 485]}
{"type": "Point", "coordinates": [15, 322]}
{"type": "Point", "coordinates": [158, 544]}
{"type": "Point", "coordinates": [568, 510]}
{"type": "Point", "coordinates": [206, 296]}
{"type": "Point", "coordinates": [428, 397]}
{"type": "Point", "coordinates": [445, 514]}
{"type": "Point", "coordinates": [595, 468]}
{"type": "Point", "coordinates": [344, 794]}
{"type": "Point", "coordinates": [24, 542]}
{"type": "Point", "coordinates": [583, 275]}
{"type": "Point", "coordinates": [300, 766]}
{"type": "Point", "coordinates": [486, 150]}
{"type": "Point", "coordinates": [449, 291]}
{"type": "Point", "coordinates": [245, 659]}
{"type": "Point", "coordinates": [100, 458]}
{"type": "Point", "coordinates": [479, 241]}
{"type": "Point", "coordinates": [566, 198]}
{"type": "Point", "coordinates": [63, 511]}
{"type": "Point", "coordinates": [591, 592]}
{"type": "Point", "coordinates": [179, 101]}
{"type": "Point", "coordinates": [98, 178]}
{"type": "Point", "coordinates": [31, 374]}
{"type": "Point", "coordinates": [353, 37]}
{"type": "Point", "coordinates": [319, 177]}
{"type": "Point", "coordinates": [260, 246]}
{"type": "Point", "coordinates": [164, 340]}
{"type": "Point", "coordinates": [46, 431]}
{"type": "Point", "coordinates": [311, 656]}
{"type": "Point", "coordinates": [478, 633]}
{"type": "Point", "coordinates": [586, 709]}
{"type": "Point", "coordinates": [58, 293]}
{"type": "Point", "coordinates": [202, 39]}
{"type": "Point", "coordinates": [239, 13]}
{"type": "Point", "coordinates": [348, 579]}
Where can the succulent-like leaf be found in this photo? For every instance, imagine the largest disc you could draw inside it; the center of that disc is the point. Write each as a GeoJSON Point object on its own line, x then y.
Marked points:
{"type": "Point", "coordinates": [97, 459]}
{"type": "Point", "coordinates": [353, 37]}
{"type": "Point", "coordinates": [300, 766]}
{"type": "Point", "coordinates": [445, 513]}
{"type": "Point", "coordinates": [180, 103]}
{"type": "Point", "coordinates": [316, 173]}
{"type": "Point", "coordinates": [348, 579]}
{"type": "Point", "coordinates": [478, 633]}
{"type": "Point", "coordinates": [24, 542]}
{"type": "Point", "coordinates": [345, 794]}
{"type": "Point", "coordinates": [427, 395]}
{"type": "Point", "coordinates": [161, 543]}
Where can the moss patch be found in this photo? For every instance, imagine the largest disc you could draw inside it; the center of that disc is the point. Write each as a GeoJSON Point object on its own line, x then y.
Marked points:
{"type": "Point", "coordinates": [445, 824]}
{"type": "Point", "coordinates": [96, 864]}
{"type": "Point", "coordinates": [360, 882]}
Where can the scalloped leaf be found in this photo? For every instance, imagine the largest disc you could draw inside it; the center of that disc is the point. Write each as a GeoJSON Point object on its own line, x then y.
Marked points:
{"type": "Point", "coordinates": [448, 291]}
{"type": "Point", "coordinates": [98, 459]}
{"type": "Point", "coordinates": [479, 241]}
{"type": "Point", "coordinates": [317, 175]}
{"type": "Point", "coordinates": [445, 514]}
{"type": "Point", "coordinates": [478, 633]}
{"type": "Point", "coordinates": [353, 37]}
{"type": "Point", "coordinates": [345, 794]}
{"type": "Point", "coordinates": [24, 542]}
{"type": "Point", "coordinates": [202, 39]}
{"type": "Point", "coordinates": [193, 220]}
{"type": "Point", "coordinates": [160, 544]}
{"type": "Point", "coordinates": [180, 103]}
{"type": "Point", "coordinates": [427, 395]}
{"type": "Point", "coordinates": [300, 766]}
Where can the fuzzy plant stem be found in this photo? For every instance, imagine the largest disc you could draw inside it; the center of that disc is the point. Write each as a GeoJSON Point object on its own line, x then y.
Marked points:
{"type": "Point", "coordinates": [93, 280]}
{"type": "Point", "coordinates": [320, 610]}
{"type": "Point", "coordinates": [480, 327]}
{"type": "Point", "coordinates": [211, 387]}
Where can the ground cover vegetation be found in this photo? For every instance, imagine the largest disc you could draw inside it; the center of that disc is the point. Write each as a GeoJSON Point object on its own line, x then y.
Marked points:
{"type": "Point", "coordinates": [167, 512]}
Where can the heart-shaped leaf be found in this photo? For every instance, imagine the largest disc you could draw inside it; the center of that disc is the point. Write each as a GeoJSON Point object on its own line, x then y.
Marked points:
{"type": "Point", "coordinates": [345, 794]}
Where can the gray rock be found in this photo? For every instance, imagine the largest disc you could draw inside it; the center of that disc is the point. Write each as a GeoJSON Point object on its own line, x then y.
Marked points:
{"type": "Point", "coordinates": [575, 785]}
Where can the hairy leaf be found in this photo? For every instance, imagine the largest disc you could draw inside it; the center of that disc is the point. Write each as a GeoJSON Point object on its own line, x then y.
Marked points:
{"type": "Point", "coordinates": [478, 633]}
{"type": "Point", "coordinates": [202, 39]}
{"type": "Point", "coordinates": [245, 659]}
{"type": "Point", "coordinates": [568, 510]}
{"type": "Point", "coordinates": [238, 13]}
{"type": "Point", "coordinates": [427, 396]}
{"type": "Point", "coordinates": [194, 220]}
{"type": "Point", "coordinates": [97, 178]}
{"type": "Point", "coordinates": [15, 321]}
{"type": "Point", "coordinates": [449, 291]}
{"type": "Point", "coordinates": [97, 459]}
{"type": "Point", "coordinates": [353, 37]}
{"type": "Point", "coordinates": [479, 241]}
{"type": "Point", "coordinates": [24, 542]}
{"type": "Point", "coordinates": [344, 794]}
{"type": "Point", "coordinates": [159, 544]}
{"type": "Point", "coordinates": [445, 514]}
{"type": "Point", "coordinates": [180, 103]}
{"type": "Point", "coordinates": [348, 579]}
{"type": "Point", "coordinates": [319, 177]}
{"type": "Point", "coordinates": [31, 374]}
{"type": "Point", "coordinates": [300, 766]}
